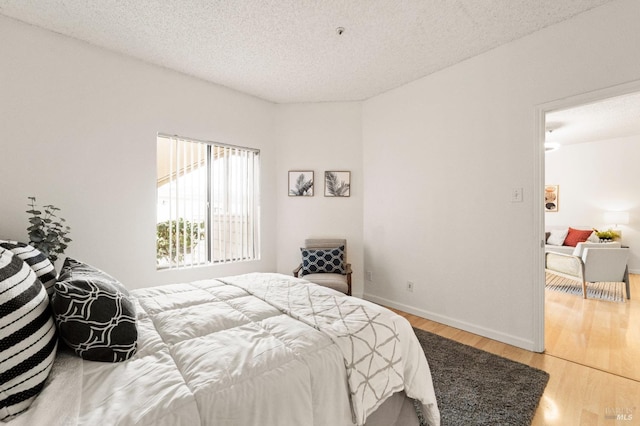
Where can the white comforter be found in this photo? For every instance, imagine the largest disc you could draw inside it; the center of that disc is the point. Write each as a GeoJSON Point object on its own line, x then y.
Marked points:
{"type": "Point", "coordinates": [213, 352]}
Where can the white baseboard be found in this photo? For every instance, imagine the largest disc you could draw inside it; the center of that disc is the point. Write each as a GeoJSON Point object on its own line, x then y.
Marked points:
{"type": "Point", "coordinates": [452, 322]}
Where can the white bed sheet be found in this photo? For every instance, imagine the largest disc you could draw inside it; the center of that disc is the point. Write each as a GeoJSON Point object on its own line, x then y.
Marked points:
{"type": "Point", "coordinates": [212, 354]}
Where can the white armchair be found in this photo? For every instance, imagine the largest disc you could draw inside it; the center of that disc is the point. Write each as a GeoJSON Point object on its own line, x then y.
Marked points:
{"type": "Point", "coordinates": [591, 262]}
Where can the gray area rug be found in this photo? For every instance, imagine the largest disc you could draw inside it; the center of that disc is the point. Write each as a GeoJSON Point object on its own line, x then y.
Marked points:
{"type": "Point", "coordinates": [610, 291]}
{"type": "Point", "coordinates": [474, 387]}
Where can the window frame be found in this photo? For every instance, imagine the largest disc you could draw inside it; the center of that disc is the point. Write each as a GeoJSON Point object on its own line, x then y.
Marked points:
{"type": "Point", "coordinates": [250, 162]}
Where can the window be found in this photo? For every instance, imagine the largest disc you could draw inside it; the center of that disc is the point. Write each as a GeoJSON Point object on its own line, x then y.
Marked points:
{"type": "Point", "coordinates": [208, 203]}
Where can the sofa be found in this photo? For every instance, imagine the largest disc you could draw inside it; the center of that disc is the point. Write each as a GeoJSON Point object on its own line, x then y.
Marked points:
{"type": "Point", "coordinates": [578, 254]}
{"type": "Point", "coordinates": [565, 239]}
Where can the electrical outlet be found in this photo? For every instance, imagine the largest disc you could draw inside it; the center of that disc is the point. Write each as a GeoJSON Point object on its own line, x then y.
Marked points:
{"type": "Point", "coordinates": [410, 286]}
{"type": "Point", "coordinates": [369, 275]}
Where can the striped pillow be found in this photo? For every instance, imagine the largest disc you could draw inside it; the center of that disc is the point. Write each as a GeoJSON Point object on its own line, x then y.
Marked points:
{"type": "Point", "coordinates": [27, 335]}
{"type": "Point", "coordinates": [41, 265]}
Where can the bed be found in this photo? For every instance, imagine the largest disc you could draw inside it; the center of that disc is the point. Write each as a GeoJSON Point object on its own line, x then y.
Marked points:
{"type": "Point", "coordinates": [254, 349]}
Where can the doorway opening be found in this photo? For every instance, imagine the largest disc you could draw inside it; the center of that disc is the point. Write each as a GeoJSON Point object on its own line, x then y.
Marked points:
{"type": "Point", "coordinates": [593, 174]}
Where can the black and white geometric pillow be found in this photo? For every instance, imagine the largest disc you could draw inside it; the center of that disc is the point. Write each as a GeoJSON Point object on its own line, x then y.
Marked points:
{"type": "Point", "coordinates": [94, 314]}
{"type": "Point", "coordinates": [42, 266]}
{"type": "Point", "coordinates": [329, 260]}
{"type": "Point", "coordinates": [28, 339]}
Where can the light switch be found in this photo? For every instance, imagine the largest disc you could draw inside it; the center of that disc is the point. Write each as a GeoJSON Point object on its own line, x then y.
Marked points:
{"type": "Point", "coordinates": [516, 195]}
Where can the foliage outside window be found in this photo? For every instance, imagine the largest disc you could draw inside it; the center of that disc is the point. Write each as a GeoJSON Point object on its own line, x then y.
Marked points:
{"type": "Point", "coordinates": [171, 232]}
{"type": "Point", "coordinates": [207, 209]}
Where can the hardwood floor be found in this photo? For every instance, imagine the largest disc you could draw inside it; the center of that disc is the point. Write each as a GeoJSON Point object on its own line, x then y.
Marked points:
{"type": "Point", "coordinates": [575, 395]}
{"type": "Point", "coordinates": [600, 334]}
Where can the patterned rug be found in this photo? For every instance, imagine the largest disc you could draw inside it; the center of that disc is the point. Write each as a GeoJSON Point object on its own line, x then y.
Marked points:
{"type": "Point", "coordinates": [474, 387]}
{"type": "Point", "coordinates": [610, 291]}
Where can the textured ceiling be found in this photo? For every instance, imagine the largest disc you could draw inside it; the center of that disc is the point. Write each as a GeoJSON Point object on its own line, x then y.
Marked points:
{"type": "Point", "coordinates": [288, 50]}
{"type": "Point", "coordinates": [607, 119]}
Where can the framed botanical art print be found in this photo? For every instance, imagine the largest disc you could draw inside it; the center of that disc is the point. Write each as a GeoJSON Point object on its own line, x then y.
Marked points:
{"type": "Point", "coordinates": [551, 198]}
{"type": "Point", "coordinates": [301, 183]}
{"type": "Point", "coordinates": [337, 184]}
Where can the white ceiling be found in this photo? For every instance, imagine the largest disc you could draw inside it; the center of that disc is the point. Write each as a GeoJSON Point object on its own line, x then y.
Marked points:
{"type": "Point", "coordinates": [288, 50]}
{"type": "Point", "coordinates": [606, 119]}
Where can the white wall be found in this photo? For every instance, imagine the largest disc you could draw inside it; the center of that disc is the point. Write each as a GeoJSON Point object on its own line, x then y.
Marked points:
{"type": "Point", "coordinates": [79, 128]}
{"type": "Point", "coordinates": [595, 177]}
{"type": "Point", "coordinates": [433, 163]}
{"type": "Point", "coordinates": [320, 137]}
{"type": "Point", "coordinates": [442, 155]}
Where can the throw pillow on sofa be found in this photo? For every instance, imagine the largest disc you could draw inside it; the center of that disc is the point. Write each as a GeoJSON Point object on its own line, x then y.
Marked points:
{"type": "Point", "coordinates": [575, 236]}
{"type": "Point", "coordinates": [557, 237]}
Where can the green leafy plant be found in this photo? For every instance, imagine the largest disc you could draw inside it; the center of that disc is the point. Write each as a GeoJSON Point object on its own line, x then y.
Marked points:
{"type": "Point", "coordinates": [609, 234]}
{"type": "Point", "coordinates": [47, 231]}
{"type": "Point", "coordinates": [176, 238]}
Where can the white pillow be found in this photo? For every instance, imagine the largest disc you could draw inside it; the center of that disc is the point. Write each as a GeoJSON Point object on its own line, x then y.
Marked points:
{"type": "Point", "coordinates": [557, 237]}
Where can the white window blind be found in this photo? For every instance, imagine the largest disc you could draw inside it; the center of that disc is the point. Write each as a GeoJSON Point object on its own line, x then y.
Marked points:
{"type": "Point", "coordinates": [208, 203]}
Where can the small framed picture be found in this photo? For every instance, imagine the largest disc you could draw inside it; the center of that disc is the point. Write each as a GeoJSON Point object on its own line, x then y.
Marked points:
{"type": "Point", "coordinates": [337, 184]}
{"type": "Point", "coordinates": [551, 198]}
{"type": "Point", "coordinates": [301, 183]}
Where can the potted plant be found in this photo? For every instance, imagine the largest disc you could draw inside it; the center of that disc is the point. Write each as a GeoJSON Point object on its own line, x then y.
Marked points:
{"type": "Point", "coordinates": [47, 231]}
{"type": "Point", "coordinates": [608, 235]}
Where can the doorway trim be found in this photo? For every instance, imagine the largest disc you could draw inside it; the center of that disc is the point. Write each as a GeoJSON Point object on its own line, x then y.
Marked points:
{"type": "Point", "coordinates": [538, 188]}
